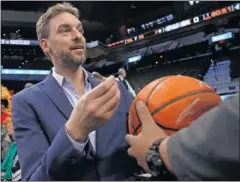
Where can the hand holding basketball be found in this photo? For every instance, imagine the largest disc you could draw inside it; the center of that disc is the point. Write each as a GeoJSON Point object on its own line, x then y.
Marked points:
{"type": "Point", "coordinates": [140, 144]}
{"type": "Point", "coordinates": [174, 103]}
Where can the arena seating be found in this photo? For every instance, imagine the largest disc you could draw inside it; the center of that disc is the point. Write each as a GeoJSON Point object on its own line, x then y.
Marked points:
{"type": "Point", "coordinates": [142, 76]}
{"type": "Point", "coordinates": [219, 78]}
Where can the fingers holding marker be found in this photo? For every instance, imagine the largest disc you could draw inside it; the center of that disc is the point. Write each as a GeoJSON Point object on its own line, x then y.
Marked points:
{"type": "Point", "coordinates": [102, 88]}
{"type": "Point", "coordinates": [98, 76]}
{"type": "Point", "coordinates": [111, 103]}
{"type": "Point", "coordinates": [106, 97]}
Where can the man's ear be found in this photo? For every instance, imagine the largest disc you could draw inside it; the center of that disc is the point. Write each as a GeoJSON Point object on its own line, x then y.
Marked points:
{"type": "Point", "coordinates": [44, 45]}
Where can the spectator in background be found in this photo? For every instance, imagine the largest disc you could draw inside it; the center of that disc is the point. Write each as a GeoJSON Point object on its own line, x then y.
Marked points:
{"type": "Point", "coordinates": [8, 149]}
{"type": "Point", "coordinates": [121, 77]}
{"type": "Point", "coordinates": [110, 39]}
{"type": "Point", "coordinates": [5, 143]}
{"type": "Point", "coordinates": [6, 120]}
{"type": "Point", "coordinates": [10, 168]}
{"type": "Point", "coordinates": [28, 85]}
{"type": "Point", "coordinates": [6, 129]}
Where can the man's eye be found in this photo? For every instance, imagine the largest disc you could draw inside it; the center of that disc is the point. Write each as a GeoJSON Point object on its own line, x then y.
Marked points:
{"type": "Point", "coordinates": [81, 31]}
{"type": "Point", "coordinates": [64, 30]}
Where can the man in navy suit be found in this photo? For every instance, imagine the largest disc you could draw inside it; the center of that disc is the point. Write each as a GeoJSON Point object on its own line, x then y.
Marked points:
{"type": "Point", "coordinates": [70, 126]}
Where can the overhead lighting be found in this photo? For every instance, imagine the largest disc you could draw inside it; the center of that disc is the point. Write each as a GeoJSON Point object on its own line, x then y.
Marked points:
{"type": "Point", "coordinates": [193, 2]}
{"type": "Point", "coordinates": [135, 58]}
{"type": "Point", "coordinates": [25, 72]}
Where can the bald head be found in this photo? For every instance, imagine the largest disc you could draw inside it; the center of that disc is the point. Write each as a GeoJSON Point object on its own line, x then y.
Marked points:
{"type": "Point", "coordinates": [122, 72]}
{"type": "Point", "coordinates": [28, 85]}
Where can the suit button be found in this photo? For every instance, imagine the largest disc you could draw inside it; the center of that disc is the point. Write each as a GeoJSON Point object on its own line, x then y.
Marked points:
{"type": "Point", "coordinates": [73, 160]}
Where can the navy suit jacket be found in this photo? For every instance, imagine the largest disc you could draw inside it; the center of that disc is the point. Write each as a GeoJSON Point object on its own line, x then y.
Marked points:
{"type": "Point", "coordinates": [45, 151]}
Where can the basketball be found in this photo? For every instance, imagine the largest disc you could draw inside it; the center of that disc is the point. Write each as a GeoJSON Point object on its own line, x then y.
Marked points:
{"type": "Point", "coordinates": [174, 102]}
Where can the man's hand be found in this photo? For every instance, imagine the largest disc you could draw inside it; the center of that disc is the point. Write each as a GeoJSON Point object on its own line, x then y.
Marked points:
{"type": "Point", "coordinates": [98, 76]}
{"type": "Point", "coordinates": [93, 109]}
{"type": "Point", "coordinates": [151, 132]}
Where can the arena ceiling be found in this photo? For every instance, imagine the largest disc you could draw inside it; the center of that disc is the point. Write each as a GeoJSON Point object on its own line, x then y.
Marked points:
{"type": "Point", "coordinates": [101, 11]}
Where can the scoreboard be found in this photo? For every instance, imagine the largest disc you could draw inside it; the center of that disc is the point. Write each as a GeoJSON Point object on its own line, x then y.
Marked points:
{"type": "Point", "coordinates": [198, 19]}
{"type": "Point", "coordinates": [191, 21]}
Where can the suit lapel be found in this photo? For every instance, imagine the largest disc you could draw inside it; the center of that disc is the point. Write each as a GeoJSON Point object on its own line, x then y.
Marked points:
{"type": "Point", "coordinates": [57, 95]}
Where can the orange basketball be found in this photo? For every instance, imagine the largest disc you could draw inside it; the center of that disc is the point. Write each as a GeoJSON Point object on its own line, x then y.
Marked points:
{"type": "Point", "coordinates": [174, 102]}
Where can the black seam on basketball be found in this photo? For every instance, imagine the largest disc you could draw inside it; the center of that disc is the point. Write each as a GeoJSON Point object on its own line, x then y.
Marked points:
{"type": "Point", "coordinates": [166, 128]}
{"type": "Point", "coordinates": [132, 125]}
{"type": "Point", "coordinates": [179, 98]}
{"type": "Point", "coordinates": [140, 124]}
{"type": "Point", "coordinates": [175, 129]}
{"type": "Point", "coordinates": [149, 95]}
{"type": "Point", "coordinates": [135, 131]}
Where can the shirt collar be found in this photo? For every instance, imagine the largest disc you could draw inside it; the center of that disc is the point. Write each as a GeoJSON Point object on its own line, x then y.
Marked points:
{"type": "Point", "coordinates": [121, 77]}
{"type": "Point", "coordinates": [61, 80]}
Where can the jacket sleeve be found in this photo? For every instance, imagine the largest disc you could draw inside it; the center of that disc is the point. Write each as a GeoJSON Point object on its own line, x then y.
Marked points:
{"type": "Point", "coordinates": [209, 148]}
{"type": "Point", "coordinates": [40, 160]}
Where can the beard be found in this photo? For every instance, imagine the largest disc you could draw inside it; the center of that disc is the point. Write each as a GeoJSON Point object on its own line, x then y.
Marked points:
{"type": "Point", "coordinates": [67, 59]}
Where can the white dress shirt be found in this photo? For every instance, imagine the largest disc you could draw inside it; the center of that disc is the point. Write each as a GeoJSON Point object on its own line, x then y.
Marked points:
{"type": "Point", "coordinates": [73, 97]}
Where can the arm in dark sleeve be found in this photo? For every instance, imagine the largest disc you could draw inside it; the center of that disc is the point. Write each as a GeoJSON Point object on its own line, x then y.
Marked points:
{"type": "Point", "coordinates": [40, 160]}
{"type": "Point", "coordinates": [209, 148]}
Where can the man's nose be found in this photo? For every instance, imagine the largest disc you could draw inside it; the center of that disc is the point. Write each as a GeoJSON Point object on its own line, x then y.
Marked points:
{"type": "Point", "coordinates": [77, 35]}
